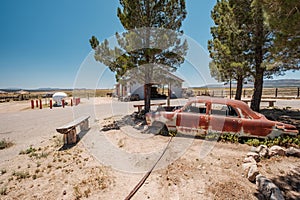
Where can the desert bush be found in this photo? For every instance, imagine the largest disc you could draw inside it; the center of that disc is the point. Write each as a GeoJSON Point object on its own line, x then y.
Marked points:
{"type": "Point", "coordinates": [5, 143]}
{"type": "Point", "coordinates": [28, 151]}
{"type": "Point", "coordinates": [3, 191]}
{"type": "Point", "coordinates": [21, 175]}
{"type": "Point", "coordinates": [3, 171]}
{"type": "Point", "coordinates": [227, 137]}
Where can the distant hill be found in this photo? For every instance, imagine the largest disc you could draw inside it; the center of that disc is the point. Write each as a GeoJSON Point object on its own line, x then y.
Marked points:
{"type": "Point", "coordinates": [267, 84]}
{"type": "Point", "coordinates": [35, 90]}
{"type": "Point", "coordinates": [282, 83]}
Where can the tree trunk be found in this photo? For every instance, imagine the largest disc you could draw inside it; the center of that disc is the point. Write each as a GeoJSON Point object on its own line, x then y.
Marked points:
{"type": "Point", "coordinates": [258, 87]}
{"type": "Point", "coordinates": [147, 86]}
{"type": "Point", "coordinates": [239, 88]}
{"type": "Point", "coordinates": [259, 70]}
{"type": "Point", "coordinates": [147, 97]}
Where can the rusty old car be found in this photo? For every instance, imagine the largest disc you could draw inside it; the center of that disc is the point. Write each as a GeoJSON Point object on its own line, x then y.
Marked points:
{"type": "Point", "coordinates": [204, 114]}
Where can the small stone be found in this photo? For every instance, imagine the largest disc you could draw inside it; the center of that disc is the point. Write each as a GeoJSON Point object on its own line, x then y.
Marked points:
{"type": "Point", "coordinates": [254, 155]}
{"type": "Point", "coordinates": [199, 192]}
{"type": "Point", "coordinates": [293, 152]}
{"type": "Point", "coordinates": [268, 188]}
{"type": "Point", "coordinates": [254, 149]}
{"type": "Point", "coordinates": [263, 151]}
{"type": "Point", "coordinates": [249, 160]}
{"type": "Point", "coordinates": [252, 173]}
{"type": "Point", "coordinates": [145, 128]}
{"type": "Point", "coordinates": [246, 167]}
{"type": "Point", "coordinates": [64, 192]}
{"type": "Point", "coordinates": [276, 150]}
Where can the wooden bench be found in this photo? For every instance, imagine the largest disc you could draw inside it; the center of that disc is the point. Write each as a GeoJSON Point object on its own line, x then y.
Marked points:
{"type": "Point", "coordinates": [271, 102]}
{"type": "Point", "coordinates": [69, 129]}
{"type": "Point", "coordinates": [140, 106]}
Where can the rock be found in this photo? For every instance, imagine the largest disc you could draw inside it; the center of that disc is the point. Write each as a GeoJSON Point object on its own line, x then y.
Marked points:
{"type": "Point", "coordinates": [258, 149]}
{"type": "Point", "coordinates": [246, 166]}
{"type": "Point", "coordinates": [252, 173]}
{"type": "Point", "coordinates": [276, 150]}
{"type": "Point", "coordinates": [268, 188]}
{"type": "Point", "coordinates": [254, 149]}
{"type": "Point", "coordinates": [263, 151]}
{"type": "Point", "coordinates": [249, 160]}
{"type": "Point", "coordinates": [254, 155]}
{"type": "Point", "coordinates": [293, 152]}
{"type": "Point", "coordinates": [145, 128]}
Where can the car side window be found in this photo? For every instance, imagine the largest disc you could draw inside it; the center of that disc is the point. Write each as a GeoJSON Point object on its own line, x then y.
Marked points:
{"type": "Point", "coordinates": [223, 109]}
{"type": "Point", "coordinates": [232, 112]}
{"type": "Point", "coordinates": [196, 108]}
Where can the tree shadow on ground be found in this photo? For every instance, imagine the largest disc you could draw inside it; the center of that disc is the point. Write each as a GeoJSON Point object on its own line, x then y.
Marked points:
{"type": "Point", "coordinates": [135, 120]}
{"type": "Point", "coordinates": [289, 184]}
{"type": "Point", "coordinates": [288, 116]}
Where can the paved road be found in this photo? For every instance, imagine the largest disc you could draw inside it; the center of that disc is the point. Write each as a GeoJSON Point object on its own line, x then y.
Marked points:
{"type": "Point", "coordinates": [31, 127]}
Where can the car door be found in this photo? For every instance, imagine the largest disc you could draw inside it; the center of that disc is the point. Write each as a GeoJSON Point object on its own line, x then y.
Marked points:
{"type": "Point", "coordinates": [250, 126]}
{"type": "Point", "coordinates": [224, 118]}
{"type": "Point", "coordinates": [192, 119]}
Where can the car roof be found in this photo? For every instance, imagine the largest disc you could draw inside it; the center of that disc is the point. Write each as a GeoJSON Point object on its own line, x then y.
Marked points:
{"type": "Point", "coordinates": [234, 103]}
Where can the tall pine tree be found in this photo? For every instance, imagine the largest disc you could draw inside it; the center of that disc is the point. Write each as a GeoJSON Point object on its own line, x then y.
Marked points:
{"type": "Point", "coordinates": [283, 17]}
{"type": "Point", "coordinates": [149, 25]}
{"type": "Point", "coordinates": [230, 43]}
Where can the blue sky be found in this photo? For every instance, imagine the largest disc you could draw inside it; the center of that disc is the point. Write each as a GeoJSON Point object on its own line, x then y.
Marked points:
{"type": "Point", "coordinates": [44, 43]}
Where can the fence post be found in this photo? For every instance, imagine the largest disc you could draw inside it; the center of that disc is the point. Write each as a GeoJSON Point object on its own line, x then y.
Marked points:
{"type": "Point", "coordinates": [276, 92]}
{"type": "Point", "coordinates": [50, 103]}
{"type": "Point", "coordinates": [37, 103]}
{"type": "Point", "coordinates": [41, 105]}
{"type": "Point", "coordinates": [63, 103]}
{"type": "Point", "coordinates": [244, 93]}
{"type": "Point", "coordinates": [71, 102]}
{"type": "Point", "coordinates": [298, 94]}
{"type": "Point", "coordinates": [32, 104]}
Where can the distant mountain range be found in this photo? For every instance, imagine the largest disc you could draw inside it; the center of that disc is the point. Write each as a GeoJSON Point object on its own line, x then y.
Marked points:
{"type": "Point", "coordinates": [34, 90]}
{"type": "Point", "coordinates": [267, 84]}
{"type": "Point", "coordinates": [282, 83]}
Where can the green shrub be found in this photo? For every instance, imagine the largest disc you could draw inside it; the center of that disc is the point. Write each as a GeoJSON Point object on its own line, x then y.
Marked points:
{"type": "Point", "coordinates": [3, 191]}
{"type": "Point", "coordinates": [28, 151]}
{"type": "Point", "coordinates": [21, 175]}
{"type": "Point", "coordinates": [5, 144]}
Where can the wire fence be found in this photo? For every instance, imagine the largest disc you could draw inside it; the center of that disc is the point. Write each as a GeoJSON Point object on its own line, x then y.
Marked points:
{"type": "Point", "coordinates": [286, 92]}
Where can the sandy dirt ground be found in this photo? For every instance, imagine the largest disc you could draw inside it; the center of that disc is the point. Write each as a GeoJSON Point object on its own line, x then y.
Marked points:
{"type": "Point", "coordinates": [108, 165]}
